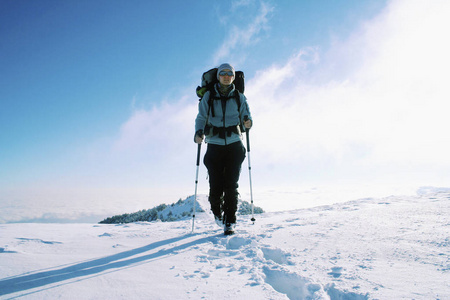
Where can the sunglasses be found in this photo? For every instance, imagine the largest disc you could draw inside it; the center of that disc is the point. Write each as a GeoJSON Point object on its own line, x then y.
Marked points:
{"type": "Point", "coordinates": [227, 73]}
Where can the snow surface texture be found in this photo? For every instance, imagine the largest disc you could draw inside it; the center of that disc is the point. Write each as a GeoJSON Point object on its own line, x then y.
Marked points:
{"type": "Point", "coordinates": [390, 248]}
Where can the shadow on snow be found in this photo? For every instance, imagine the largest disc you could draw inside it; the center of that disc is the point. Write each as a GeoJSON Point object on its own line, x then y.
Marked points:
{"type": "Point", "coordinates": [110, 263]}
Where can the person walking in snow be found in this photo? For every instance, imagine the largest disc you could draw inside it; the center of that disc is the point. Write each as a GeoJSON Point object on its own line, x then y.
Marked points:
{"type": "Point", "coordinates": [225, 152]}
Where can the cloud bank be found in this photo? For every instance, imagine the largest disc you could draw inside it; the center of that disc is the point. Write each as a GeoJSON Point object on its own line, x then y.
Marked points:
{"type": "Point", "coordinates": [373, 105]}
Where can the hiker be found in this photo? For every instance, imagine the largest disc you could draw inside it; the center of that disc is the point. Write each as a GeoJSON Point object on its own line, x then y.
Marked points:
{"type": "Point", "coordinates": [220, 121]}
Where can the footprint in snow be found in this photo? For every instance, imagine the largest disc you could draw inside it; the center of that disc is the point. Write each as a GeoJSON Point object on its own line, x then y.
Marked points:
{"type": "Point", "coordinates": [237, 242]}
{"type": "Point", "coordinates": [276, 255]}
{"type": "Point", "coordinates": [336, 272]}
{"type": "Point", "coordinates": [292, 284]}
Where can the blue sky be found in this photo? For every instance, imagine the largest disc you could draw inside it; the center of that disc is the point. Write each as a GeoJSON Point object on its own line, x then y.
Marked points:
{"type": "Point", "coordinates": [98, 100]}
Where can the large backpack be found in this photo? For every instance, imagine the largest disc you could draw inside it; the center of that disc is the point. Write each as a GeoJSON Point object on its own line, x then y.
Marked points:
{"type": "Point", "coordinates": [209, 79]}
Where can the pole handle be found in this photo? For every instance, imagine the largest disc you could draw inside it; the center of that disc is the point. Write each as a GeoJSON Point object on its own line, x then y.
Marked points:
{"type": "Point", "coordinates": [247, 130]}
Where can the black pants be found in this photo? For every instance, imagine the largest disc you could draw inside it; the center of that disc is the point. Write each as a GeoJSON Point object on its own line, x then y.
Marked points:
{"type": "Point", "coordinates": [224, 167]}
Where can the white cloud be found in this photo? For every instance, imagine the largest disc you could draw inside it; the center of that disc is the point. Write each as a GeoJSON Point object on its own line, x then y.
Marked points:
{"type": "Point", "coordinates": [237, 4]}
{"type": "Point", "coordinates": [377, 100]}
{"type": "Point", "coordinates": [166, 124]}
{"type": "Point", "coordinates": [242, 36]}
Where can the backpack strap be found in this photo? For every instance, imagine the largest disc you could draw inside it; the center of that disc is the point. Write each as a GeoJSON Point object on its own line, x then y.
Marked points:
{"type": "Point", "coordinates": [212, 97]}
{"type": "Point", "coordinates": [210, 104]}
{"type": "Point", "coordinates": [237, 96]}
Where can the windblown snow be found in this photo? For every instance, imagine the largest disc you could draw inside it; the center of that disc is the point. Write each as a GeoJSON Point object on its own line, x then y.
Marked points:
{"type": "Point", "coordinates": [390, 248]}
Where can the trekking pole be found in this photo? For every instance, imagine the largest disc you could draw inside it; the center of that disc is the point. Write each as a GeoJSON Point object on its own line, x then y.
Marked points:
{"type": "Point", "coordinates": [196, 183]}
{"type": "Point", "coordinates": [249, 169]}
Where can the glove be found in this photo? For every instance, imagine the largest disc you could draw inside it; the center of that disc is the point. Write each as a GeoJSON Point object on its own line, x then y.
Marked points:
{"type": "Point", "coordinates": [199, 136]}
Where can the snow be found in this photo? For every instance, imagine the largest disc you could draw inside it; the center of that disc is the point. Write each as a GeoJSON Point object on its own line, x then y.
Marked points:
{"type": "Point", "coordinates": [396, 247]}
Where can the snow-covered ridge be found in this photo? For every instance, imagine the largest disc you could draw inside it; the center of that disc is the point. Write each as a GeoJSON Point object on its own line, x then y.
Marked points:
{"type": "Point", "coordinates": [180, 210]}
{"type": "Point", "coordinates": [387, 248]}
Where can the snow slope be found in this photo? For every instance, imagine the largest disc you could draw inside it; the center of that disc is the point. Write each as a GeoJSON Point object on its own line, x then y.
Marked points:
{"type": "Point", "coordinates": [390, 248]}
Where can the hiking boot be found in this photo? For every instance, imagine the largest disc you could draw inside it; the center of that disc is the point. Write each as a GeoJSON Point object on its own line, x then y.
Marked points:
{"type": "Point", "coordinates": [229, 228]}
